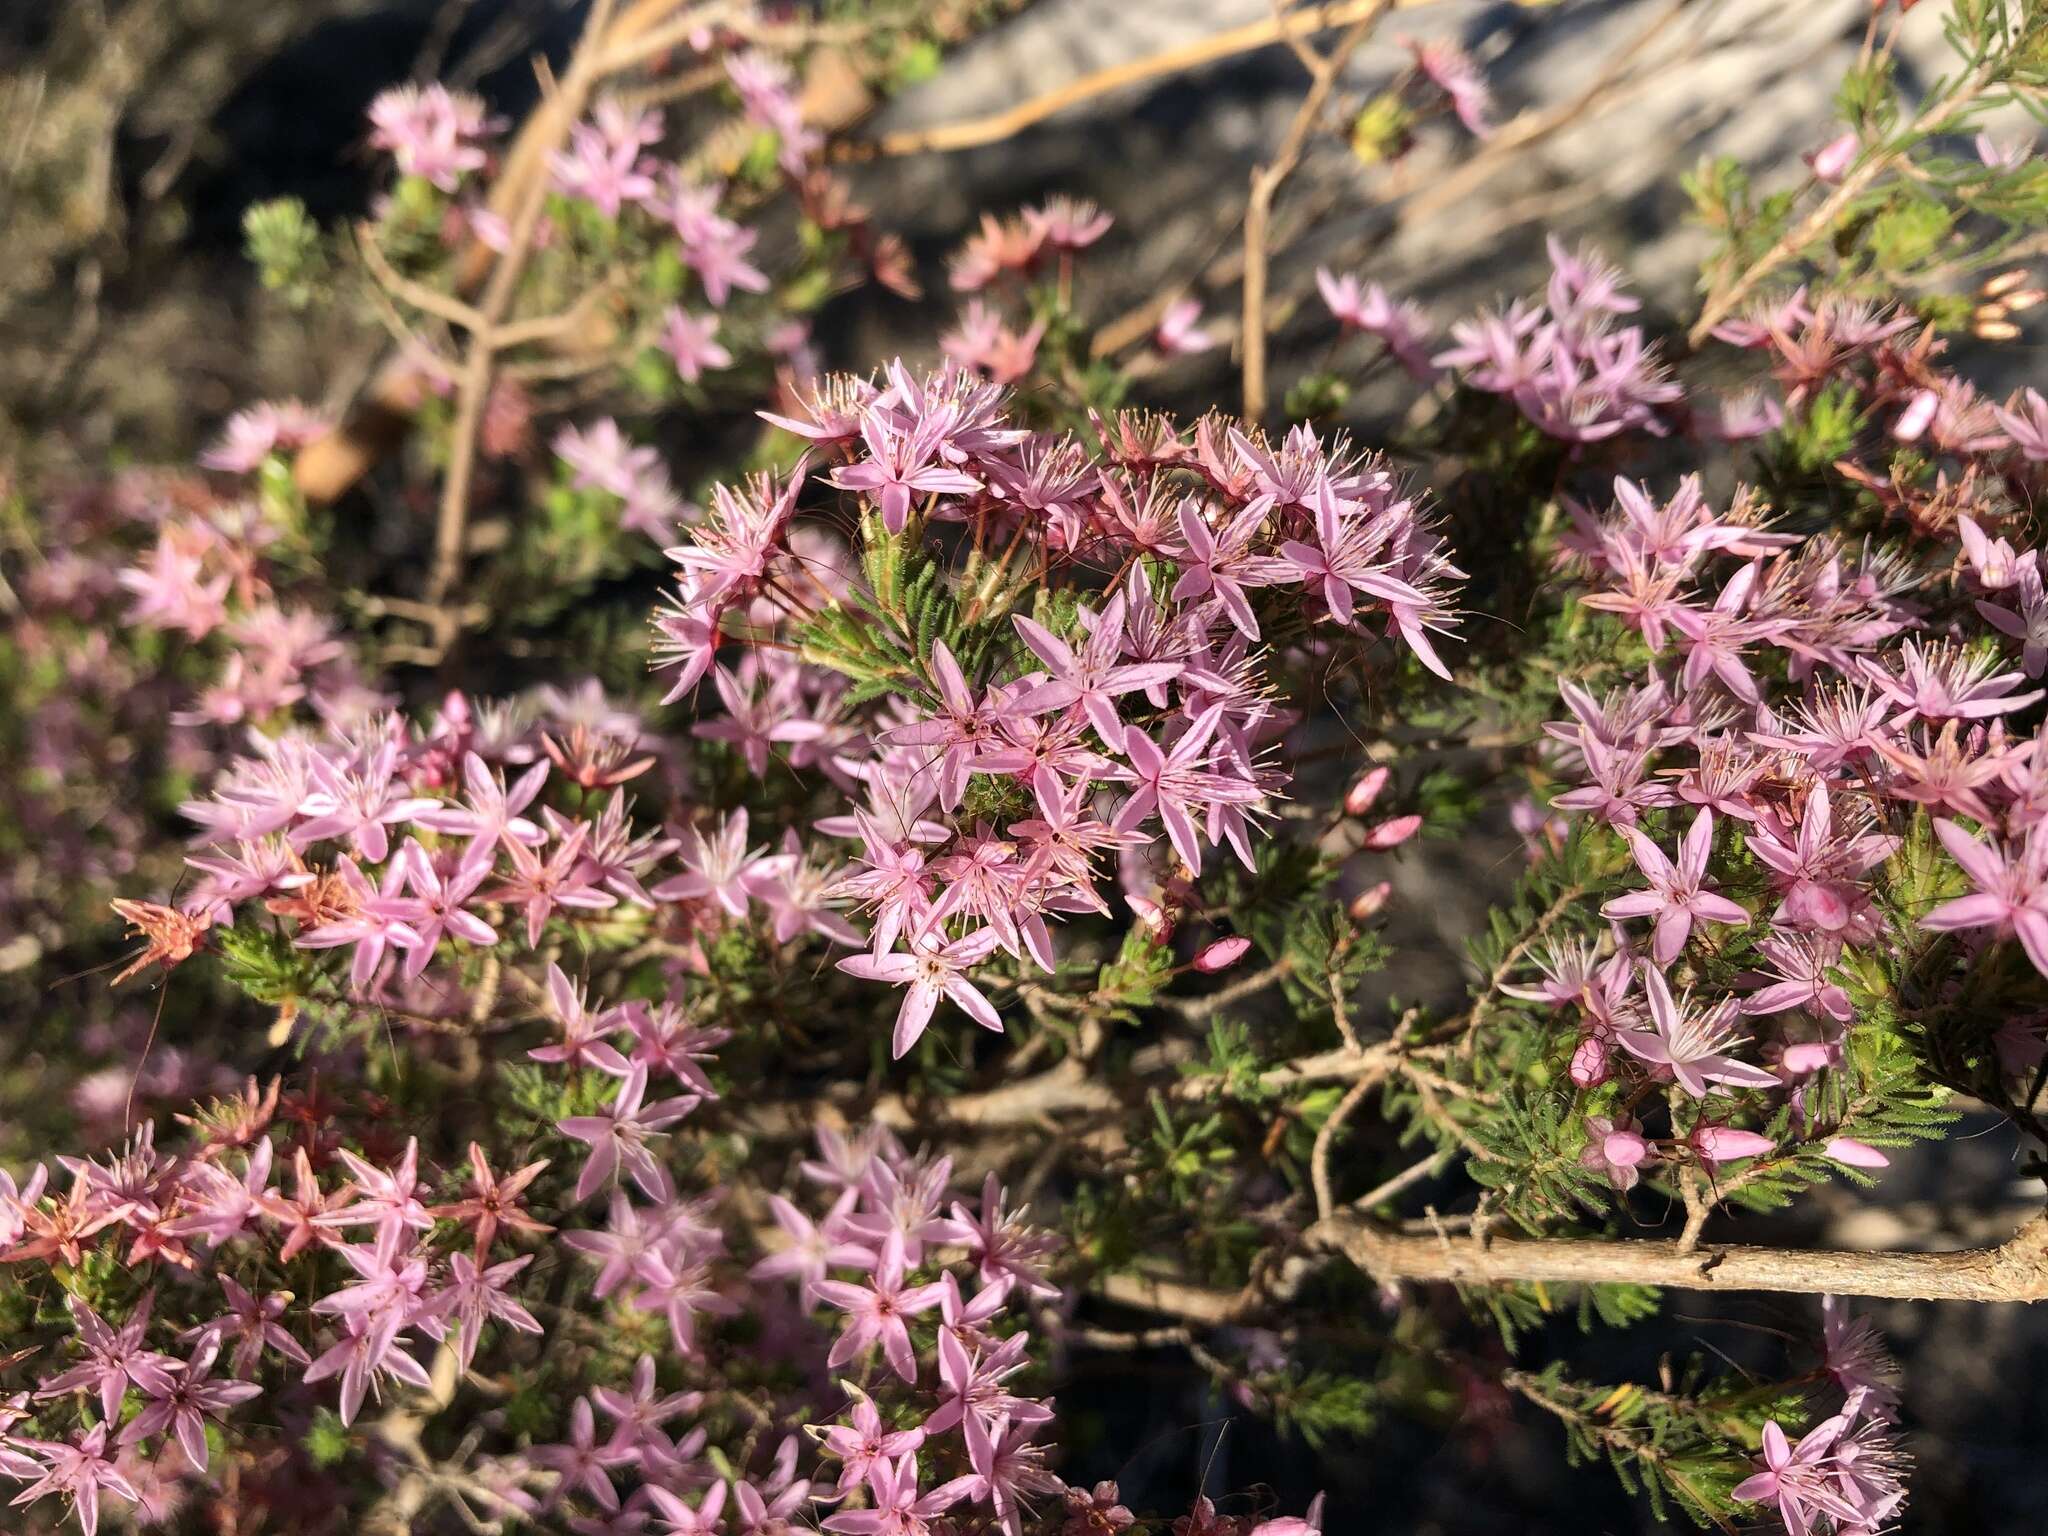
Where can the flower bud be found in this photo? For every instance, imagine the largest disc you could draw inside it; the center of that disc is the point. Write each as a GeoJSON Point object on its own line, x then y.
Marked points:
{"type": "Point", "coordinates": [1221, 955]}
{"type": "Point", "coordinates": [1392, 833]}
{"type": "Point", "coordinates": [1854, 1153]}
{"type": "Point", "coordinates": [1808, 1056]}
{"type": "Point", "coordinates": [1916, 417]}
{"type": "Point", "coordinates": [1368, 902]}
{"type": "Point", "coordinates": [1589, 1068]}
{"type": "Point", "coordinates": [1831, 162]}
{"type": "Point", "coordinates": [1722, 1144]}
{"type": "Point", "coordinates": [1365, 791]}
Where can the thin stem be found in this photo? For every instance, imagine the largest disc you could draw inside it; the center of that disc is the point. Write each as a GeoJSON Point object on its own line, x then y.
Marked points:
{"type": "Point", "coordinates": [1265, 186]}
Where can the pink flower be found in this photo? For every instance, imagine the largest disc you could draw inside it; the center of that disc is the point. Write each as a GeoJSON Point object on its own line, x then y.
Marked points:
{"type": "Point", "coordinates": [619, 1137]}
{"type": "Point", "coordinates": [81, 1471]}
{"type": "Point", "coordinates": [430, 132]}
{"type": "Point", "coordinates": [1799, 1479]}
{"type": "Point", "coordinates": [582, 1465]}
{"type": "Point", "coordinates": [934, 968]}
{"type": "Point", "coordinates": [1179, 332]}
{"type": "Point", "coordinates": [877, 1312]}
{"type": "Point", "coordinates": [1691, 1043]}
{"type": "Point", "coordinates": [1068, 223]}
{"type": "Point", "coordinates": [115, 1358]}
{"type": "Point", "coordinates": [2012, 890]}
{"type": "Point", "coordinates": [813, 1250]}
{"type": "Point", "coordinates": [1176, 784]}
{"type": "Point", "coordinates": [1095, 676]}
{"type": "Point", "coordinates": [865, 1443]}
{"type": "Point", "coordinates": [367, 1351]}
{"type": "Point", "coordinates": [691, 341]}
{"type": "Point", "coordinates": [1360, 797]}
{"type": "Point", "coordinates": [1616, 1149]}
{"type": "Point", "coordinates": [183, 1400]}
{"type": "Point", "coordinates": [1675, 897]}
{"type": "Point", "coordinates": [899, 465]}
{"type": "Point", "coordinates": [1451, 69]}
{"type": "Point", "coordinates": [1392, 832]}
{"type": "Point", "coordinates": [684, 1520]}
{"type": "Point", "coordinates": [2002, 157]}
{"type": "Point", "coordinates": [1294, 1525]}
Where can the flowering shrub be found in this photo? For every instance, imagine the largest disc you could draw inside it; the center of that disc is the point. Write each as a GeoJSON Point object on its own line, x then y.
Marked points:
{"type": "Point", "coordinates": [724, 1092]}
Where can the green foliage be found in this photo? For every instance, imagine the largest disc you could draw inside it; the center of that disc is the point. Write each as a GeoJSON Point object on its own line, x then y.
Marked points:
{"type": "Point", "coordinates": [539, 1098]}
{"type": "Point", "coordinates": [284, 245]}
{"type": "Point", "coordinates": [1532, 1141]}
{"type": "Point", "coordinates": [1684, 1448]}
{"type": "Point", "coordinates": [1814, 438]}
{"type": "Point", "coordinates": [1142, 968]}
{"type": "Point", "coordinates": [1316, 394]}
{"type": "Point", "coordinates": [882, 637]}
{"type": "Point", "coordinates": [1233, 1066]}
{"type": "Point", "coordinates": [262, 963]}
{"type": "Point", "coordinates": [327, 1440]}
{"type": "Point", "coordinates": [1320, 1406]}
{"type": "Point", "coordinates": [1908, 232]}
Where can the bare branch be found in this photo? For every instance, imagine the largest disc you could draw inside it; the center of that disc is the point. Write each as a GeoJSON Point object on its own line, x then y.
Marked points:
{"type": "Point", "coordinates": [1266, 183]}
{"type": "Point", "coordinates": [1249, 38]}
{"type": "Point", "coordinates": [2016, 1270]}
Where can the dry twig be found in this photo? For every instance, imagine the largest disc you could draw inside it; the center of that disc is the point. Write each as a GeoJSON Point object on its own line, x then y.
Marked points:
{"type": "Point", "coordinates": [1266, 182]}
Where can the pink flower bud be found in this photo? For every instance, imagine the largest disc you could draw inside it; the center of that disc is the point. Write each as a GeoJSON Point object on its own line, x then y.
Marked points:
{"type": "Point", "coordinates": [1723, 1144]}
{"type": "Point", "coordinates": [1393, 833]}
{"type": "Point", "coordinates": [1364, 792]}
{"type": "Point", "coordinates": [1857, 1154]}
{"type": "Point", "coordinates": [1916, 417]}
{"type": "Point", "coordinates": [1831, 162]}
{"type": "Point", "coordinates": [1807, 1057]}
{"type": "Point", "coordinates": [1589, 1068]}
{"type": "Point", "coordinates": [1221, 955]}
{"type": "Point", "coordinates": [1625, 1149]}
{"type": "Point", "coordinates": [1369, 901]}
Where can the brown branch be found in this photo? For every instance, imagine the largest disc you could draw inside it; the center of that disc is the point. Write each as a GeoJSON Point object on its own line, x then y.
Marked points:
{"type": "Point", "coordinates": [1171, 1298]}
{"type": "Point", "coordinates": [1293, 27]}
{"type": "Point", "coordinates": [2016, 1270]}
{"type": "Point", "coordinates": [1265, 186]}
{"type": "Point", "coordinates": [1326, 1139]}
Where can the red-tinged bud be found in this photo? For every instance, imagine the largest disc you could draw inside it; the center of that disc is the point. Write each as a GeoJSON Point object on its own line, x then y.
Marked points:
{"type": "Point", "coordinates": [2024, 299]}
{"type": "Point", "coordinates": [1158, 920]}
{"type": "Point", "coordinates": [1368, 902]}
{"type": "Point", "coordinates": [1994, 330]}
{"type": "Point", "coordinates": [1393, 833]}
{"type": "Point", "coordinates": [1221, 955]}
{"type": "Point", "coordinates": [1364, 792]}
{"type": "Point", "coordinates": [1854, 1153]}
